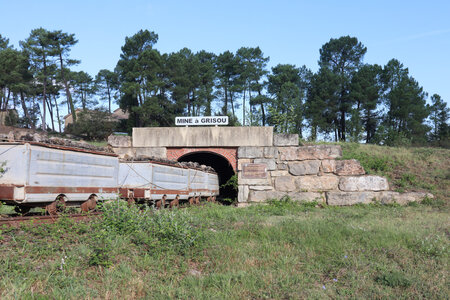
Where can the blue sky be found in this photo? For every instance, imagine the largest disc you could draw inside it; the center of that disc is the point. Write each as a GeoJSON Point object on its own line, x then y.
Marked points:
{"type": "Point", "coordinates": [415, 32]}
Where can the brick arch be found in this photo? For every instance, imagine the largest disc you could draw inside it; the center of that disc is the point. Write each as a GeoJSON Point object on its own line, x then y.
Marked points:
{"type": "Point", "coordinates": [230, 154]}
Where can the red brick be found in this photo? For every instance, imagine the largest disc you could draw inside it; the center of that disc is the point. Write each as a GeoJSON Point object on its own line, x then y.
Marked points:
{"type": "Point", "coordinates": [229, 154]}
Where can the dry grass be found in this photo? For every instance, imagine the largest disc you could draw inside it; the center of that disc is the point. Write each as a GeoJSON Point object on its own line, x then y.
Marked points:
{"type": "Point", "coordinates": [273, 251]}
{"type": "Point", "coordinates": [408, 169]}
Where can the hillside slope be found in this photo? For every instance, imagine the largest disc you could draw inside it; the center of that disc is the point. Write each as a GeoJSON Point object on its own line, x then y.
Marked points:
{"type": "Point", "coordinates": [423, 169]}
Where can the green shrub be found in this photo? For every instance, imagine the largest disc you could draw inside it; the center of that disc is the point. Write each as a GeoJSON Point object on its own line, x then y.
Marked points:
{"type": "Point", "coordinates": [12, 118]}
{"type": "Point", "coordinates": [433, 245]}
{"type": "Point", "coordinates": [159, 230]}
{"type": "Point", "coordinates": [406, 180]}
{"type": "Point", "coordinates": [92, 125]}
{"type": "Point", "coordinates": [393, 279]}
{"type": "Point", "coordinates": [121, 218]}
{"type": "Point", "coordinates": [372, 163]}
{"type": "Point", "coordinates": [2, 168]}
{"type": "Point", "coordinates": [433, 202]}
{"type": "Point", "coordinates": [174, 230]}
{"type": "Point", "coordinates": [101, 250]}
{"type": "Point", "coordinates": [232, 183]}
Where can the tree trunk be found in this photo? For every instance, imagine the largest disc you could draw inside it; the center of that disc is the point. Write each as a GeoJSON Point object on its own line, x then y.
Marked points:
{"type": "Point", "coordinates": [188, 105]}
{"type": "Point", "coordinates": [25, 109]}
{"type": "Point", "coordinates": [232, 104]}
{"type": "Point", "coordinates": [57, 113]}
{"type": "Point", "coordinates": [194, 112]}
{"type": "Point", "coordinates": [335, 133]}
{"type": "Point", "coordinates": [71, 108]}
{"type": "Point", "coordinates": [225, 107]}
{"type": "Point", "coordinates": [50, 110]}
{"type": "Point", "coordinates": [250, 105]}
{"type": "Point", "coordinates": [109, 97]}
{"type": "Point", "coordinates": [243, 109]}
{"type": "Point", "coordinates": [368, 133]}
{"type": "Point", "coordinates": [262, 109]}
{"type": "Point", "coordinates": [314, 133]}
{"type": "Point", "coordinates": [7, 100]}
{"type": "Point", "coordinates": [140, 98]}
{"type": "Point", "coordinates": [342, 125]}
{"type": "Point", "coordinates": [44, 96]}
{"type": "Point", "coordinates": [1, 99]}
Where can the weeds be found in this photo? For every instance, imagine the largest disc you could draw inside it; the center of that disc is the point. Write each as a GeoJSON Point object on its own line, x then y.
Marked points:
{"type": "Point", "coordinates": [433, 245]}
{"type": "Point", "coordinates": [2, 168]}
{"type": "Point", "coordinates": [163, 229]}
{"type": "Point", "coordinates": [393, 279]}
{"type": "Point", "coordinates": [407, 169]}
{"type": "Point", "coordinates": [284, 249]}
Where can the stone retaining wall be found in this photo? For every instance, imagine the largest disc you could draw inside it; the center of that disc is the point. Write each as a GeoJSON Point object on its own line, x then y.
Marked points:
{"type": "Point", "coordinates": [311, 173]}
{"type": "Point", "coordinates": [304, 173]}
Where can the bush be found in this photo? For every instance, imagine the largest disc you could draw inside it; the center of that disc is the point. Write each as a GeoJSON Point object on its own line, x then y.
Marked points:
{"type": "Point", "coordinates": [92, 125]}
{"type": "Point", "coordinates": [174, 230]}
{"type": "Point", "coordinates": [393, 279]}
{"type": "Point", "coordinates": [433, 245]}
{"type": "Point", "coordinates": [101, 250]}
{"type": "Point", "coordinates": [12, 118]}
{"type": "Point", "coordinates": [123, 219]}
{"type": "Point", "coordinates": [372, 163]}
{"type": "Point", "coordinates": [159, 230]}
{"type": "Point", "coordinates": [2, 168]}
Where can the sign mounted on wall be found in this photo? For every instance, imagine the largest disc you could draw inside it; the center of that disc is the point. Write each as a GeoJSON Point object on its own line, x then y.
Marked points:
{"type": "Point", "coordinates": [201, 121]}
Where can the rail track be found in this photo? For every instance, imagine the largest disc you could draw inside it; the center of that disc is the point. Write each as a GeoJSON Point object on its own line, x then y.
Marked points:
{"type": "Point", "coordinates": [15, 221]}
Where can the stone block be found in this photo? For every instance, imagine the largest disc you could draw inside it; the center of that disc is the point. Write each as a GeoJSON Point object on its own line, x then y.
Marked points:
{"type": "Point", "coordinates": [307, 196]}
{"type": "Point", "coordinates": [278, 173]}
{"type": "Point", "coordinates": [308, 167]}
{"type": "Point", "coordinates": [349, 167]}
{"type": "Point", "coordinates": [243, 193]}
{"type": "Point", "coordinates": [243, 205]}
{"type": "Point", "coordinates": [261, 196]}
{"type": "Point", "coordinates": [351, 198]}
{"type": "Point", "coordinates": [284, 184]}
{"type": "Point", "coordinates": [203, 136]}
{"type": "Point", "coordinates": [157, 152]}
{"type": "Point", "coordinates": [285, 139]}
{"type": "Point", "coordinates": [328, 166]}
{"type": "Point", "coordinates": [250, 152]}
{"type": "Point", "coordinates": [124, 152]}
{"type": "Point", "coordinates": [260, 187]}
{"type": "Point", "coordinates": [317, 183]}
{"type": "Point", "coordinates": [255, 181]}
{"type": "Point", "coordinates": [282, 166]}
{"type": "Point", "coordinates": [243, 161]}
{"type": "Point", "coordinates": [270, 163]}
{"type": "Point", "coordinates": [310, 152]}
{"type": "Point", "coordinates": [388, 197]}
{"type": "Point", "coordinates": [117, 141]}
{"type": "Point", "coordinates": [270, 152]}
{"type": "Point", "coordinates": [363, 183]}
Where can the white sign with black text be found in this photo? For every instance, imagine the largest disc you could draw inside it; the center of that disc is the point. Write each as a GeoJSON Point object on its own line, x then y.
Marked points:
{"type": "Point", "coordinates": [201, 121]}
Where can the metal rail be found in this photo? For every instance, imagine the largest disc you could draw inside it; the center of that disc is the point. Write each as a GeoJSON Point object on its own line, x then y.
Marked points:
{"type": "Point", "coordinates": [17, 221]}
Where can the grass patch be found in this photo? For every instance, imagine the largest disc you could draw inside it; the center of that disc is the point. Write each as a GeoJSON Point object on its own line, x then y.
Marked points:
{"type": "Point", "coordinates": [98, 143]}
{"type": "Point", "coordinates": [407, 169]}
{"type": "Point", "coordinates": [280, 250]}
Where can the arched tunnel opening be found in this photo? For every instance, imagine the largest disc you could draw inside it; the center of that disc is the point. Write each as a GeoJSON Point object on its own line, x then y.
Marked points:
{"type": "Point", "coordinates": [222, 167]}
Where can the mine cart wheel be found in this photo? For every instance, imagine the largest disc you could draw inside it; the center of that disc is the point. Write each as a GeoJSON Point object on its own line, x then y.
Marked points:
{"type": "Point", "coordinates": [22, 209]}
{"type": "Point", "coordinates": [57, 206]}
{"type": "Point", "coordinates": [89, 204]}
{"type": "Point", "coordinates": [131, 201]}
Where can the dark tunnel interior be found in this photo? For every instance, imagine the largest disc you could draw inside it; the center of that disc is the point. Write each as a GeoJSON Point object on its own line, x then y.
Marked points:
{"type": "Point", "coordinates": [220, 164]}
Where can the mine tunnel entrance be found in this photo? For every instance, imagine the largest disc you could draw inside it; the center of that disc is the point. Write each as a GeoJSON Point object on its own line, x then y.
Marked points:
{"type": "Point", "coordinates": [221, 165]}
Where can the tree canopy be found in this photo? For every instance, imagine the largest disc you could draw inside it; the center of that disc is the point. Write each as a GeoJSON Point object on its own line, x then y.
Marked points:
{"type": "Point", "coordinates": [346, 99]}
